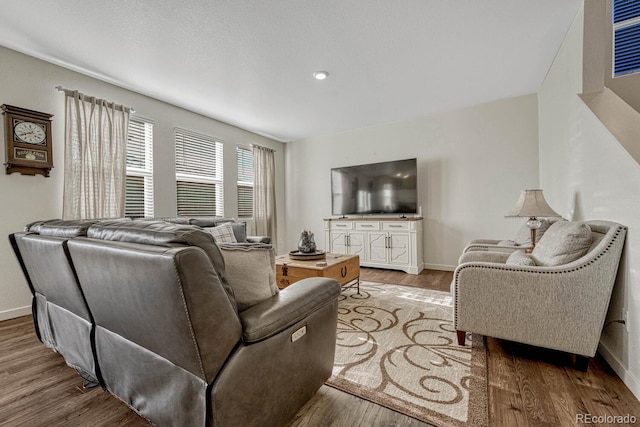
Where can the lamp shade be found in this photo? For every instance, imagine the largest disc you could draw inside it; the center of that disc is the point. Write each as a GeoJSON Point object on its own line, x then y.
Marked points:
{"type": "Point", "coordinates": [532, 204]}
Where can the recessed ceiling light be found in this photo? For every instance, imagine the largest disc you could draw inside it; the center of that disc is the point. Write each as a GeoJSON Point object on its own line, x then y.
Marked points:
{"type": "Point", "coordinates": [321, 75]}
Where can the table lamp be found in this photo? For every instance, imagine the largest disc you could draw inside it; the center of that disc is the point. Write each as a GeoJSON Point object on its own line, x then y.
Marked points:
{"type": "Point", "coordinates": [532, 204]}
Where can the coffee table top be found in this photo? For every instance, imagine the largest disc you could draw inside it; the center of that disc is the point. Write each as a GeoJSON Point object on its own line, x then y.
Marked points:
{"type": "Point", "coordinates": [332, 259]}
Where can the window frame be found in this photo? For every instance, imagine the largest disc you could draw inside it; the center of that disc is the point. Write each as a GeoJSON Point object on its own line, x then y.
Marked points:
{"type": "Point", "coordinates": [145, 172]}
{"type": "Point", "coordinates": [187, 165]}
{"type": "Point", "coordinates": [625, 22]}
{"type": "Point", "coordinates": [240, 183]}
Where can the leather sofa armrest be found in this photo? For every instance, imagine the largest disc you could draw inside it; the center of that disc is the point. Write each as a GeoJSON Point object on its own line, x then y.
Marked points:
{"type": "Point", "coordinates": [288, 307]}
{"type": "Point", "coordinates": [258, 239]}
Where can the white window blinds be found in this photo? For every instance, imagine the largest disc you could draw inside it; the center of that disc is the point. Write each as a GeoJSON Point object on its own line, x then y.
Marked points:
{"type": "Point", "coordinates": [139, 182]}
{"type": "Point", "coordinates": [626, 40]}
{"type": "Point", "coordinates": [244, 157]}
{"type": "Point", "coordinates": [199, 173]}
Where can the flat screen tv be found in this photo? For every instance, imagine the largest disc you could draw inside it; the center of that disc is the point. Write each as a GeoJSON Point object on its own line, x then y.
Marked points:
{"type": "Point", "coordinates": [377, 188]}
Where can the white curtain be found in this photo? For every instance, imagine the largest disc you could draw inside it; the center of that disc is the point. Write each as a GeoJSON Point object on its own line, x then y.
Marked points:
{"type": "Point", "coordinates": [95, 155]}
{"type": "Point", "coordinates": [264, 192]}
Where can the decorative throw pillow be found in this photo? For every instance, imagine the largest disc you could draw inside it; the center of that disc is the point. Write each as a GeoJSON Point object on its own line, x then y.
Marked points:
{"type": "Point", "coordinates": [222, 233]}
{"type": "Point", "coordinates": [251, 272]}
{"type": "Point", "coordinates": [520, 258]}
{"type": "Point", "coordinates": [563, 243]}
{"type": "Point", "coordinates": [240, 231]}
{"type": "Point", "coordinates": [523, 236]}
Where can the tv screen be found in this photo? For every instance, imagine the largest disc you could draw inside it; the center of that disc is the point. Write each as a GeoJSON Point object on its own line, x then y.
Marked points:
{"type": "Point", "coordinates": [377, 188]}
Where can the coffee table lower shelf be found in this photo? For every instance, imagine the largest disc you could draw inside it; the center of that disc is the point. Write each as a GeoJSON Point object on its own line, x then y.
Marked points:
{"type": "Point", "coordinates": [343, 268]}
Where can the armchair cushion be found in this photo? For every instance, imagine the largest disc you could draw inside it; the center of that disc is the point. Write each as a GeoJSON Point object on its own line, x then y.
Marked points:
{"type": "Point", "coordinates": [519, 257]}
{"type": "Point", "coordinates": [563, 243]}
{"type": "Point", "coordinates": [251, 272]}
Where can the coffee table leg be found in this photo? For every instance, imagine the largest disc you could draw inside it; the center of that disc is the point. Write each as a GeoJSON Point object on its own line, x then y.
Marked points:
{"type": "Point", "coordinates": [358, 282]}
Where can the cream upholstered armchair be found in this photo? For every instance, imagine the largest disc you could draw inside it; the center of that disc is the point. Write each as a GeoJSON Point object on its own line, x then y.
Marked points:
{"type": "Point", "coordinates": [522, 239]}
{"type": "Point", "coordinates": [556, 297]}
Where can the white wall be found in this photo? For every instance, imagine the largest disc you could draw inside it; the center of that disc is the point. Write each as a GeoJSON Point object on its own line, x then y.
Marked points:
{"type": "Point", "coordinates": [587, 174]}
{"type": "Point", "coordinates": [472, 164]}
{"type": "Point", "coordinates": [29, 83]}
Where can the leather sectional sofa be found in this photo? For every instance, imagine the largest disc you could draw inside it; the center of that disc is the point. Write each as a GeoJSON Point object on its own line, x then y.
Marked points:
{"type": "Point", "coordinates": [145, 309]}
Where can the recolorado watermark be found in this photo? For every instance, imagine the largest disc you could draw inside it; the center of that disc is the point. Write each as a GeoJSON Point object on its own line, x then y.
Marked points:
{"type": "Point", "coordinates": [605, 419]}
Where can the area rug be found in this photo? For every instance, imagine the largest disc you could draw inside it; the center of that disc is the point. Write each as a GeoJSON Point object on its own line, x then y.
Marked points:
{"type": "Point", "coordinates": [396, 347]}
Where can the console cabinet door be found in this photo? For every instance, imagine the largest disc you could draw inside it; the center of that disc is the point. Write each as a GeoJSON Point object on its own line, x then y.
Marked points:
{"type": "Point", "coordinates": [399, 249]}
{"type": "Point", "coordinates": [338, 242]}
{"type": "Point", "coordinates": [343, 242]}
{"type": "Point", "coordinates": [377, 245]}
{"type": "Point", "coordinates": [355, 240]}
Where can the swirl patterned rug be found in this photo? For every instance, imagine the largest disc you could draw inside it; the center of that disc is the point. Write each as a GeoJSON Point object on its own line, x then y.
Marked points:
{"type": "Point", "coordinates": [396, 347]}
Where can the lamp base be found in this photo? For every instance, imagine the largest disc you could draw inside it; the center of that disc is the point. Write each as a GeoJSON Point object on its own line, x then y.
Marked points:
{"type": "Point", "coordinates": [533, 225]}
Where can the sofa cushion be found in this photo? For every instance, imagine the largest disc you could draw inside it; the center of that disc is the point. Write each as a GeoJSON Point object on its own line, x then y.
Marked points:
{"type": "Point", "coordinates": [563, 243]}
{"type": "Point", "coordinates": [251, 271]}
{"type": "Point", "coordinates": [519, 257]}
{"type": "Point", "coordinates": [222, 233]}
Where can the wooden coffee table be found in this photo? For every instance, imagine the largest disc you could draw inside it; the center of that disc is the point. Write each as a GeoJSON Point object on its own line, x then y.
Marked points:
{"type": "Point", "coordinates": [343, 268]}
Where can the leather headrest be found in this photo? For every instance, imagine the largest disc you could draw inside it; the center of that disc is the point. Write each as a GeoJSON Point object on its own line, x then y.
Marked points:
{"type": "Point", "coordinates": [61, 228]}
{"type": "Point", "coordinates": [160, 233]}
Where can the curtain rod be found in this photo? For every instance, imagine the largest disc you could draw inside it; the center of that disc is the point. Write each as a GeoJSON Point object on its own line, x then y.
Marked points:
{"type": "Point", "coordinates": [71, 92]}
{"type": "Point", "coordinates": [262, 147]}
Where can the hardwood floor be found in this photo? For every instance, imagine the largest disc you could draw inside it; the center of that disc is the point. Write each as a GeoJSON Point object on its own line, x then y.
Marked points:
{"type": "Point", "coordinates": [527, 386]}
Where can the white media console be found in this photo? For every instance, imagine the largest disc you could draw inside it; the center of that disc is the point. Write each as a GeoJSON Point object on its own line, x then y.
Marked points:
{"type": "Point", "coordinates": [381, 242]}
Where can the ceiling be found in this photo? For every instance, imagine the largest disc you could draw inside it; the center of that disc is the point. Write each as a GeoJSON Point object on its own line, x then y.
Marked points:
{"type": "Point", "coordinates": [250, 62]}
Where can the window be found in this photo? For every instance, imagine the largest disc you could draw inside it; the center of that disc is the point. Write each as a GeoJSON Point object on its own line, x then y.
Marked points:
{"type": "Point", "coordinates": [199, 174]}
{"type": "Point", "coordinates": [244, 157]}
{"type": "Point", "coordinates": [139, 181]}
{"type": "Point", "coordinates": [626, 39]}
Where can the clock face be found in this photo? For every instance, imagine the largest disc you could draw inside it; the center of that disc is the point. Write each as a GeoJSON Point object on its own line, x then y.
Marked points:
{"type": "Point", "coordinates": [30, 133]}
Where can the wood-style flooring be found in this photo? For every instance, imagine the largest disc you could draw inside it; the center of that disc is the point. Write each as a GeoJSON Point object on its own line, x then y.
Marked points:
{"type": "Point", "coordinates": [528, 386]}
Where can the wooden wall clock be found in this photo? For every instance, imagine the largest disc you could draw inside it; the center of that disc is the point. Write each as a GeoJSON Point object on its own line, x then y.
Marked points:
{"type": "Point", "coordinates": [27, 141]}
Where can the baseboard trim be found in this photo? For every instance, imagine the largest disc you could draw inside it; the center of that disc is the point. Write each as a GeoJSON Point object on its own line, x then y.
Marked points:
{"type": "Point", "coordinates": [406, 268]}
{"type": "Point", "coordinates": [441, 267]}
{"type": "Point", "coordinates": [15, 312]}
{"type": "Point", "coordinates": [627, 377]}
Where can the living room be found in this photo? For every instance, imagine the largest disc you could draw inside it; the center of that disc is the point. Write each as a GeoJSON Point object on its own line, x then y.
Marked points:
{"type": "Point", "coordinates": [473, 160]}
